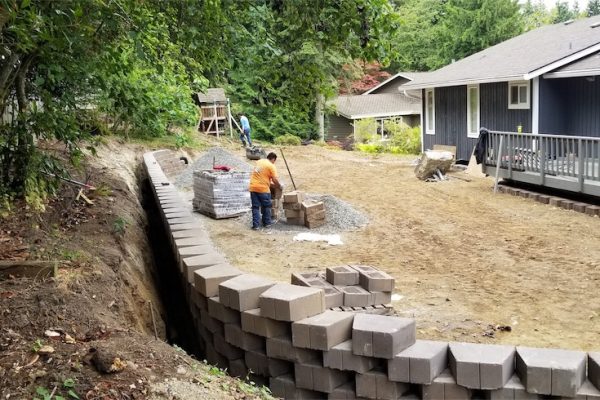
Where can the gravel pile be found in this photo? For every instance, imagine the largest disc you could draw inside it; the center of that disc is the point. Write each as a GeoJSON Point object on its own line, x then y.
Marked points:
{"type": "Point", "coordinates": [217, 155]}
{"type": "Point", "coordinates": [340, 216]}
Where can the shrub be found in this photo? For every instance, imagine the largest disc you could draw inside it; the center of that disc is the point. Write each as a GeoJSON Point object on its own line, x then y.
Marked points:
{"type": "Point", "coordinates": [288, 140]}
{"type": "Point", "coordinates": [407, 140]}
{"type": "Point", "coordinates": [365, 130]}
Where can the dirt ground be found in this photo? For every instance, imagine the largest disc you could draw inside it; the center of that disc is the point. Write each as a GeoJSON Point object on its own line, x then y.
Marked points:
{"type": "Point", "coordinates": [467, 263]}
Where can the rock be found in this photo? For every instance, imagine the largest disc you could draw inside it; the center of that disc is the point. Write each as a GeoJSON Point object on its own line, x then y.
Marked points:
{"type": "Point", "coordinates": [69, 339]}
{"type": "Point", "coordinates": [106, 362]}
{"type": "Point", "coordinates": [431, 161]}
{"type": "Point", "coordinates": [51, 334]}
{"type": "Point", "coordinates": [46, 350]}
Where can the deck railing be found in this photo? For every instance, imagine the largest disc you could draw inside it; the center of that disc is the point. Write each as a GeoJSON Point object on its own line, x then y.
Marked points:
{"type": "Point", "coordinates": [575, 158]}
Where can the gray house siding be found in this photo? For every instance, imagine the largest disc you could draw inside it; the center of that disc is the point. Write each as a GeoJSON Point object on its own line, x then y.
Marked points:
{"type": "Point", "coordinates": [339, 128]}
{"type": "Point", "coordinates": [570, 106]}
{"type": "Point", "coordinates": [390, 87]}
{"type": "Point", "coordinates": [494, 112]}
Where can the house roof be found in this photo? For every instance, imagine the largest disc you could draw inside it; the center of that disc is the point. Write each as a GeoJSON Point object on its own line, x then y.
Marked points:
{"type": "Point", "coordinates": [587, 66]}
{"type": "Point", "coordinates": [521, 58]}
{"type": "Point", "coordinates": [376, 105]}
{"type": "Point", "coordinates": [406, 75]}
{"type": "Point", "coordinates": [212, 95]}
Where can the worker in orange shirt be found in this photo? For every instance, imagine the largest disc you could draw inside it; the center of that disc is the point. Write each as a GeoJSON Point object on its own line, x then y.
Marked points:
{"type": "Point", "coordinates": [263, 176]}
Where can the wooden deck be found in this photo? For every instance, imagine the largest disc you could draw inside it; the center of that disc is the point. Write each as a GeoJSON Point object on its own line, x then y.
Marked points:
{"type": "Point", "coordinates": [569, 163]}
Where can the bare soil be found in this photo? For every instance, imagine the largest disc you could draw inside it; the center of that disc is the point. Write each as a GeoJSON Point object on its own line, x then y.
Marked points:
{"type": "Point", "coordinates": [469, 265]}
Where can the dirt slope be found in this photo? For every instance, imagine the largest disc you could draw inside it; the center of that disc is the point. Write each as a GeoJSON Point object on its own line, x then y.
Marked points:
{"type": "Point", "coordinates": [465, 260]}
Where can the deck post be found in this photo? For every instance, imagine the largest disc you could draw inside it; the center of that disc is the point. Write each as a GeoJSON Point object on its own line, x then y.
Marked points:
{"type": "Point", "coordinates": [498, 163]}
{"type": "Point", "coordinates": [542, 157]}
{"type": "Point", "coordinates": [581, 167]}
{"type": "Point", "coordinates": [511, 155]}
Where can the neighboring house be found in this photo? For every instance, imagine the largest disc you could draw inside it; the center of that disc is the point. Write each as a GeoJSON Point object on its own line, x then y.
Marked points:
{"type": "Point", "coordinates": [392, 84]}
{"type": "Point", "coordinates": [543, 82]}
{"type": "Point", "coordinates": [381, 107]}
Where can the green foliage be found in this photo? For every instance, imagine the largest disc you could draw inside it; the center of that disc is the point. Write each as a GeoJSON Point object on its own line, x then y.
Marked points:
{"type": "Point", "coordinates": [182, 139]}
{"type": "Point", "coordinates": [593, 8]}
{"type": "Point", "coordinates": [562, 12]}
{"type": "Point", "coordinates": [120, 225]}
{"type": "Point", "coordinates": [365, 130]}
{"type": "Point", "coordinates": [288, 140]}
{"type": "Point", "coordinates": [535, 14]}
{"type": "Point", "coordinates": [399, 137]}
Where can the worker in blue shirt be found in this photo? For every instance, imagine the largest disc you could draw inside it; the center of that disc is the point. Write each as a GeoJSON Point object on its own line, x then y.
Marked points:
{"type": "Point", "coordinates": [245, 135]}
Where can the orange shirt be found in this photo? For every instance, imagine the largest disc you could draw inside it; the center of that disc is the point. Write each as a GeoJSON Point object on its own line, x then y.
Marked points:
{"type": "Point", "coordinates": [260, 180]}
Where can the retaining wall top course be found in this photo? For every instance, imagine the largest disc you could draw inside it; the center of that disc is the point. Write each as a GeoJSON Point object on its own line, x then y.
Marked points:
{"type": "Point", "coordinates": [242, 292]}
{"type": "Point", "coordinates": [382, 336]}
{"type": "Point", "coordinates": [322, 331]}
{"type": "Point", "coordinates": [482, 366]}
{"type": "Point", "coordinates": [285, 302]}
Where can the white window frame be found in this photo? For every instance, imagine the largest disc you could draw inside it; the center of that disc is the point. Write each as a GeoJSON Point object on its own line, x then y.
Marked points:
{"type": "Point", "coordinates": [519, 105]}
{"type": "Point", "coordinates": [430, 127]}
{"type": "Point", "coordinates": [470, 132]}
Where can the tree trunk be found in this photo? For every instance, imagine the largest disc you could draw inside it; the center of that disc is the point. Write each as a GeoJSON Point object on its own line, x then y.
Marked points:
{"type": "Point", "coordinates": [320, 116]}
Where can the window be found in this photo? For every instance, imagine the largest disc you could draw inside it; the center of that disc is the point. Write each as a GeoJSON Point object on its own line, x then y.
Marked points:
{"type": "Point", "coordinates": [430, 111]}
{"type": "Point", "coordinates": [473, 111]}
{"type": "Point", "coordinates": [518, 95]}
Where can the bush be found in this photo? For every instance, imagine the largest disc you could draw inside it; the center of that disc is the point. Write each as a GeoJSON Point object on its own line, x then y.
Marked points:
{"type": "Point", "coordinates": [401, 138]}
{"type": "Point", "coordinates": [288, 140]}
{"type": "Point", "coordinates": [407, 141]}
{"type": "Point", "coordinates": [365, 130]}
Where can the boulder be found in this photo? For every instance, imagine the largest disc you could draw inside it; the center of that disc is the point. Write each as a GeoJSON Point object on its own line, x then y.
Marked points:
{"type": "Point", "coordinates": [431, 161]}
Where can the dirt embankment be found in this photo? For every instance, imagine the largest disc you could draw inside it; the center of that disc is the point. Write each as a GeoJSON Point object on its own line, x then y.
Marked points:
{"type": "Point", "coordinates": [63, 335]}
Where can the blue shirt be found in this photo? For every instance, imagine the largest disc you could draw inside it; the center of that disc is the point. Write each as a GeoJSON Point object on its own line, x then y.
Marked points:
{"type": "Point", "coordinates": [245, 123]}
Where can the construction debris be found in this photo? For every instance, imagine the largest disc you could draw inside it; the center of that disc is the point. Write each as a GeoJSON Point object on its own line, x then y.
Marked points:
{"type": "Point", "coordinates": [431, 161]}
{"type": "Point", "coordinates": [221, 194]}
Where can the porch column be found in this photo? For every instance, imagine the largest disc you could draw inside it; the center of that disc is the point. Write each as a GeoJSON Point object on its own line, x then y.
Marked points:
{"type": "Point", "coordinates": [535, 106]}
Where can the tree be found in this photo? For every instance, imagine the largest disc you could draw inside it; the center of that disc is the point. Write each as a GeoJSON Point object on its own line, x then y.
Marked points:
{"type": "Point", "coordinates": [593, 8]}
{"type": "Point", "coordinates": [535, 15]}
{"type": "Point", "coordinates": [360, 76]}
{"type": "Point", "coordinates": [561, 12]}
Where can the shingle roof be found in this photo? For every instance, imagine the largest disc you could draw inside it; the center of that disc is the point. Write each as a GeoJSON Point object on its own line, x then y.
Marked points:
{"type": "Point", "coordinates": [406, 75]}
{"type": "Point", "coordinates": [212, 95]}
{"type": "Point", "coordinates": [590, 63]}
{"type": "Point", "coordinates": [376, 105]}
{"type": "Point", "coordinates": [515, 58]}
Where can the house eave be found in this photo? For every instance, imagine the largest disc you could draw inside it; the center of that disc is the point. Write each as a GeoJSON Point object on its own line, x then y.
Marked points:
{"type": "Point", "coordinates": [563, 61]}
{"type": "Point", "coordinates": [463, 82]}
{"type": "Point", "coordinates": [386, 82]}
{"type": "Point", "coordinates": [573, 74]}
{"type": "Point", "coordinates": [382, 115]}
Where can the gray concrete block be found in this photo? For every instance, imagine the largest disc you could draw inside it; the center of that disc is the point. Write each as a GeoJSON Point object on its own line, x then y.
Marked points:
{"type": "Point", "coordinates": [192, 241]}
{"type": "Point", "coordinates": [185, 227]}
{"type": "Point", "coordinates": [181, 220]}
{"type": "Point", "coordinates": [381, 336]}
{"type": "Point", "coordinates": [303, 278]}
{"type": "Point", "coordinates": [343, 392]}
{"type": "Point", "coordinates": [254, 322]}
{"type": "Point", "coordinates": [588, 391]}
{"type": "Point", "coordinates": [333, 297]}
{"type": "Point", "coordinates": [322, 331]}
{"type": "Point", "coordinates": [242, 292]}
{"type": "Point", "coordinates": [512, 390]}
{"type": "Point", "coordinates": [342, 275]}
{"type": "Point", "coordinates": [257, 362]}
{"type": "Point", "coordinates": [244, 340]}
{"type": "Point", "coordinates": [238, 368]}
{"type": "Point", "coordinates": [374, 384]}
{"type": "Point", "coordinates": [188, 233]}
{"type": "Point", "coordinates": [420, 363]}
{"type": "Point", "coordinates": [481, 366]}
{"type": "Point", "coordinates": [282, 386]}
{"type": "Point", "coordinates": [282, 348]}
{"type": "Point", "coordinates": [376, 281]}
{"type": "Point", "coordinates": [313, 376]}
{"type": "Point", "coordinates": [190, 251]}
{"type": "Point", "coordinates": [550, 371]}
{"type": "Point", "coordinates": [224, 314]}
{"type": "Point", "coordinates": [226, 349]}
{"type": "Point", "coordinates": [356, 296]}
{"type": "Point", "coordinates": [341, 357]}
{"type": "Point", "coordinates": [381, 297]}
{"type": "Point", "coordinates": [445, 387]}
{"type": "Point", "coordinates": [212, 324]}
{"type": "Point", "coordinates": [193, 263]}
{"type": "Point", "coordinates": [594, 369]}
{"type": "Point", "coordinates": [285, 302]}
{"type": "Point", "coordinates": [207, 280]}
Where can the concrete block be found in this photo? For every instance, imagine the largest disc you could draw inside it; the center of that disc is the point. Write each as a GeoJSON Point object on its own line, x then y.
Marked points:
{"type": "Point", "coordinates": [381, 297]}
{"type": "Point", "coordinates": [421, 363]}
{"type": "Point", "coordinates": [341, 357]}
{"type": "Point", "coordinates": [181, 220]}
{"type": "Point", "coordinates": [254, 322]}
{"type": "Point", "coordinates": [226, 349]}
{"type": "Point", "coordinates": [257, 362]}
{"type": "Point", "coordinates": [544, 199]}
{"type": "Point", "coordinates": [188, 233]}
{"type": "Point", "coordinates": [282, 348]}
{"type": "Point", "coordinates": [212, 324]}
{"type": "Point", "coordinates": [283, 386]}
{"type": "Point", "coordinates": [579, 207]}
{"type": "Point", "coordinates": [224, 314]}
{"type": "Point", "coordinates": [185, 227]}
{"type": "Point", "coordinates": [207, 280]}
{"type": "Point", "coordinates": [445, 387]}
{"type": "Point", "coordinates": [190, 251]}
{"type": "Point", "coordinates": [293, 197]}
{"type": "Point", "coordinates": [594, 369]}
{"type": "Point", "coordinates": [198, 300]}
{"type": "Point", "coordinates": [333, 297]}
{"type": "Point", "coordinates": [374, 280]}
{"type": "Point", "coordinates": [374, 384]}
{"type": "Point", "coordinates": [342, 275]}
{"type": "Point", "coordinates": [238, 368]}
{"type": "Point", "coordinates": [343, 392]}
{"type": "Point", "coordinates": [242, 292]}
{"type": "Point", "coordinates": [244, 340]}
{"type": "Point", "coordinates": [481, 366]}
{"type": "Point", "coordinates": [512, 390]}
{"type": "Point", "coordinates": [313, 376]}
{"type": "Point", "coordinates": [356, 296]}
{"type": "Point", "coordinates": [592, 210]}
{"type": "Point", "coordinates": [303, 278]}
{"type": "Point", "coordinates": [550, 371]}
{"type": "Point", "coordinates": [192, 241]}
{"type": "Point", "coordinates": [292, 206]}
{"type": "Point", "coordinates": [322, 331]}
{"type": "Point", "coordinates": [215, 358]}
{"type": "Point", "coordinates": [191, 264]}
{"type": "Point", "coordinates": [587, 391]}
{"type": "Point", "coordinates": [285, 302]}
{"type": "Point", "coordinates": [381, 336]}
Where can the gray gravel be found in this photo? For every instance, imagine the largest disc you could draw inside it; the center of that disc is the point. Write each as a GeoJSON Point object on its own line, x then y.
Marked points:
{"type": "Point", "coordinates": [220, 157]}
{"type": "Point", "coordinates": [340, 216]}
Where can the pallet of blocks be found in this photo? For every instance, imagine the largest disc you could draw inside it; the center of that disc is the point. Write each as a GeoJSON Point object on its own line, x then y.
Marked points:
{"type": "Point", "coordinates": [314, 213]}
{"type": "Point", "coordinates": [276, 195]}
{"type": "Point", "coordinates": [292, 207]}
{"type": "Point", "coordinates": [221, 194]}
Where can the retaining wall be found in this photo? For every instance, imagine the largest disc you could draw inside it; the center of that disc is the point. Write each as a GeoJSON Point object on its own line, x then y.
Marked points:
{"type": "Point", "coordinates": [284, 333]}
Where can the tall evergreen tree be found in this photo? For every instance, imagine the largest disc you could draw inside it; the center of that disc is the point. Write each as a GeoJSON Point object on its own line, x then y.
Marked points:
{"type": "Point", "coordinates": [535, 14]}
{"type": "Point", "coordinates": [562, 12]}
{"type": "Point", "coordinates": [593, 8]}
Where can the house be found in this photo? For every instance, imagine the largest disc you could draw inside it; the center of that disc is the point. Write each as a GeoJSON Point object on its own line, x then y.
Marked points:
{"type": "Point", "coordinates": [540, 91]}
{"type": "Point", "coordinates": [392, 84]}
{"type": "Point", "coordinates": [214, 111]}
{"type": "Point", "coordinates": [381, 107]}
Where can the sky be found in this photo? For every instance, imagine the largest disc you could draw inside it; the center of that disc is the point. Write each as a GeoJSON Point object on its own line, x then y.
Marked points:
{"type": "Point", "coordinates": [550, 3]}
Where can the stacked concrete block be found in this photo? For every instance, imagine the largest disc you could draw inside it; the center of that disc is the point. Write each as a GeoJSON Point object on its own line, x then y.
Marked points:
{"type": "Point", "coordinates": [314, 213]}
{"type": "Point", "coordinates": [292, 207]}
{"type": "Point", "coordinates": [282, 348]}
{"type": "Point", "coordinates": [322, 331]}
{"type": "Point", "coordinates": [341, 357]}
{"type": "Point", "coordinates": [221, 194]}
{"type": "Point", "coordinates": [481, 366]}
{"type": "Point", "coordinates": [284, 302]}
{"type": "Point", "coordinates": [333, 296]}
{"type": "Point", "coordinates": [276, 197]}
{"type": "Point", "coordinates": [313, 376]}
{"type": "Point", "coordinates": [191, 264]}
{"type": "Point", "coordinates": [551, 372]}
{"type": "Point", "coordinates": [220, 312]}
{"type": "Point", "coordinates": [242, 292]}
{"type": "Point", "coordinates": [588, 391]}
{"type": "Point", "coordinates": [254, 322]}
{"type": "Point", "coordinates": [207, 280]}
{"type": "Point", "coordinates": [594, 369]}
{"type": "Point", "coordinates": [512, 390]}
{"type": "Point", "coordinates": [420, 363]}
{"type": "Point", "coordinates": [342, 275]}
{"type": "Point", "coordinates": [381, 336]}
{"type": "Point", "coordinates": [226, 349]}
{"type": "Point", "coordinates": [244, 340]}
{"type": "Point", "coordinates": [374, 384]}
{"type": "Point", "coordinates": [445, 387]}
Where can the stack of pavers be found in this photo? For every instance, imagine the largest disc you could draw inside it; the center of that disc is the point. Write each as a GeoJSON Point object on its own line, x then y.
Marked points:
{"type": "Point", "coordinates": [276, 195]}
{"type": "Point", "coordinates": [221, 194]}
{"type": "Point", "coordinates": [351, 287]}
{"type": "Point", "coordinates": [284, 333]}
{"type": "Point", "coordinates": [302, 211]}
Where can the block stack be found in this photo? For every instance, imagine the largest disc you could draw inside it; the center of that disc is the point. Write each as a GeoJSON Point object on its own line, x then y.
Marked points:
{"type": "Point", "coordinates": [350, 286]}
{"type": "Point", "coordinates": [221, 194]}
{"type": "Point", "coordinates": [276, 196]}
{"type": "Point", "coordinates": [302, 211]}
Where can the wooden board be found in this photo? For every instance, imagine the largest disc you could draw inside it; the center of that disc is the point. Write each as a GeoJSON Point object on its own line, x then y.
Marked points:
{"type": "Point", "coordinates": [451, 149]}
